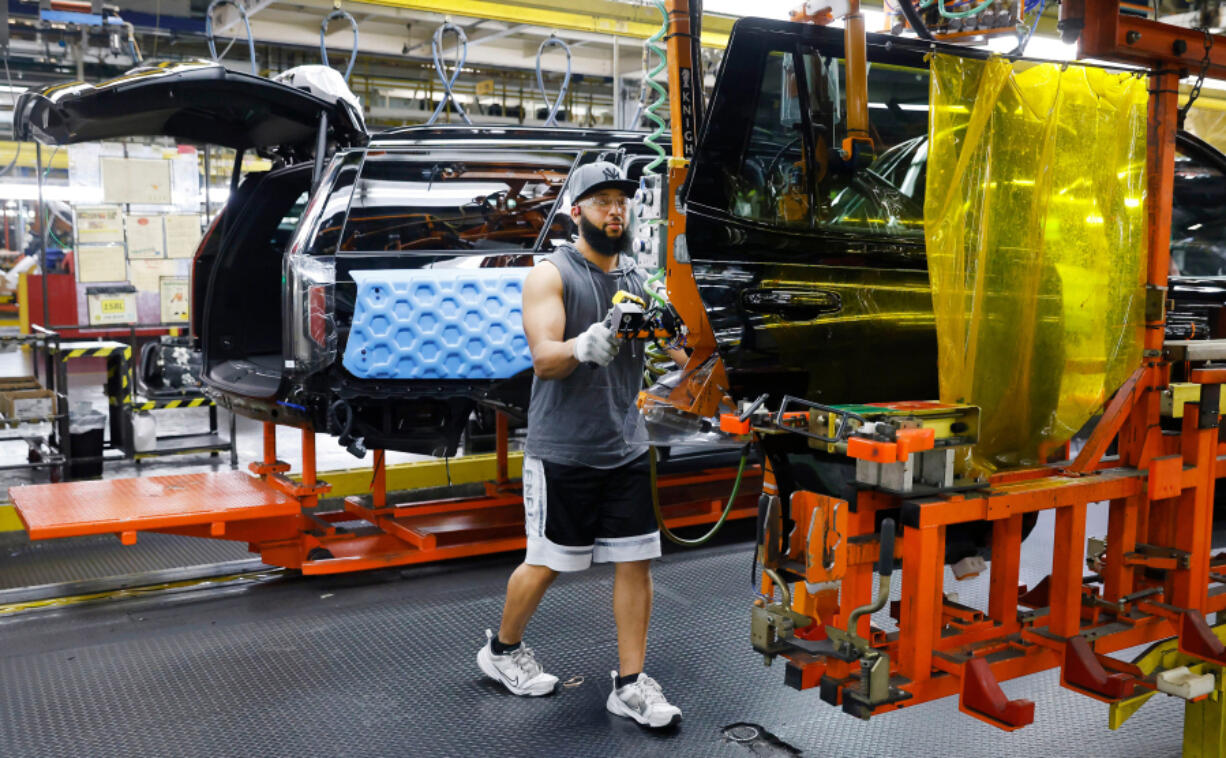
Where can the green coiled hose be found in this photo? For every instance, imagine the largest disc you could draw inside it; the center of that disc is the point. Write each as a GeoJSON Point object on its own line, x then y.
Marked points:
{"type": "Point", "coordinates": [963, 14]}
{"type": "Point", "coordinates": [653, 47]}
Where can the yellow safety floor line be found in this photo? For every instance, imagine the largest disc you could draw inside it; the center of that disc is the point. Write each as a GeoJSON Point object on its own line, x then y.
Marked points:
{"type": "Point", "coordinates": [131, 592]}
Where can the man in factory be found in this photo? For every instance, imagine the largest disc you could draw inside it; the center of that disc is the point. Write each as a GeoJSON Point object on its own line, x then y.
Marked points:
{"type": "Point", "coordinates": [587, 491]}
{"type": "Point", "coordinates": [59, 216]}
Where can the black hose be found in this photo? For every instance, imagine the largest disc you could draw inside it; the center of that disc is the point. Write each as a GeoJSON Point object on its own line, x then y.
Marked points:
{"type": "Point", "coordinates": [917, 24]}
{"type": "Point", "coordinates": [696, 58]}
{"type": "Point", "coordinates": [655, 504]}
{"type": "Point", "coordinates": [334, 418]}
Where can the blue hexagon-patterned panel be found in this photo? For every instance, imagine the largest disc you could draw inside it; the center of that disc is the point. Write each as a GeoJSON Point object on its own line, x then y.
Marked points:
{"type": "Point", "coordinates": [438, 324]}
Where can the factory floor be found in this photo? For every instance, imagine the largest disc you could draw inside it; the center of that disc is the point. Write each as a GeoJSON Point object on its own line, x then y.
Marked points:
{"type": "Point", "coordinates": [184, 647]}
{"type": "Point", "coordinates": [85, 387]}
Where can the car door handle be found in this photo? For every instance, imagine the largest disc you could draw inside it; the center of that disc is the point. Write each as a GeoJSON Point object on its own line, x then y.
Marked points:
{"type": "Point", "coordinates": [791, 304]}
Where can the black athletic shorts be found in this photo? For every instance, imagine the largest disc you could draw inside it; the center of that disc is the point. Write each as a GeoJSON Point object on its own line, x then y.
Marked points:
{"type": "Point", "coordinates": [577, 515]}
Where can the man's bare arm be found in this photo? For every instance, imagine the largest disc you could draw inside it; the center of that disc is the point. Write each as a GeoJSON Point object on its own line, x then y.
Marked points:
{"type": "Point", "coordinates": [545, 324]}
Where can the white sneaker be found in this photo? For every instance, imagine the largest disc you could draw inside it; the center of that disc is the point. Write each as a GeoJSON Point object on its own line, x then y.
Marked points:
{"type": "Point", "coordinates": [518, 669]}
{"type": "Point", "coordinates": [643, 701]}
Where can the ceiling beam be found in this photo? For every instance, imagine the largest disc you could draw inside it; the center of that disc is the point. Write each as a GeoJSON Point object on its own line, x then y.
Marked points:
{"type": "Point", "coordinates": [491, 36]}
{"type": "Point", "coordinates": [388, 41]}
{"type": "Point", "coordinates": [606, 17]}
{"type": "Point", "coordinates": [231, 17]}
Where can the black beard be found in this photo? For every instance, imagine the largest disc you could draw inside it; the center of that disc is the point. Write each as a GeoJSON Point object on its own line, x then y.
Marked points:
{"type": "Point", "coordinates": [601, 242]}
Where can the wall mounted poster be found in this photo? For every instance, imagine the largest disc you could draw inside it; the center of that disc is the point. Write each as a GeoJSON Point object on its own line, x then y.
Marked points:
{"type": "Point", "coordinates": [174, 296]}
{"type": "Point", "coordinates": [145, 274]}
{"type": "Point", "coordinates": [136, 180]}
{"type": "Point", "coordinates": [101, 263]}
{"type": "Point", "coordinates": [145, 239]}
{"type": "Point", "coordinates": [182, 235]}
{"type": "Point", "coordinates": [111, 305]}
{"type": "Point", "coordinates": [99, 224]}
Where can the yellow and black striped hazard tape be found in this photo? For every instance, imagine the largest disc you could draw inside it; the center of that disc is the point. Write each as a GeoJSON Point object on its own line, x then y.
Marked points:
{"type": "Point", "coordinates": [96, 352]}
{"type": "Point", "coordinates": [150, 405]}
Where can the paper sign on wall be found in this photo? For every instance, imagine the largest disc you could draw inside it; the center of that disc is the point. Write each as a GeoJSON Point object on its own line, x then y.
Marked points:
{"type": "Point", "coordinates": [174, 297]}
{"type": "Point", "coordinates": [145, 274]}
{"type": "Point", "coordinates": [111, 305]}
{"type": "Point", "coordinates": [182, 235]}
{"type": "Point", "coordinates": [145, 238]}
{"type": "Point", "coordinates": [97, 224]}
{"type": "Point", "coordinates": [136, 180]}
{"type": "Point", "coordinates": [101, 263]}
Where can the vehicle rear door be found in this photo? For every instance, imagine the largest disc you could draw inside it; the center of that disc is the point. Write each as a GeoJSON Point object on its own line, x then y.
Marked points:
{"type": "Point", "coordinates": [192, 101]}
{"type": "Point", "coordinates": [813, 273]}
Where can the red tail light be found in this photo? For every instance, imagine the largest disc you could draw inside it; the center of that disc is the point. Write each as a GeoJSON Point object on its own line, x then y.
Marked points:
{"type": "Point", "coordinates": [317, 314]}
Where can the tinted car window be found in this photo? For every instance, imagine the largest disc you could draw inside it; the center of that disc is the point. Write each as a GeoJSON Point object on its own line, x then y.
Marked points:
{"type": "Point", "coordinates": [791, 173]}
{"type": "Point", "coordinates": [1198, 225]}
{"type": "Point", "coordinates": [324, 217]}
{"type": "Point", "coordinates": [284, 232]}
{"type": "Point", "coordinates": [442, 200]}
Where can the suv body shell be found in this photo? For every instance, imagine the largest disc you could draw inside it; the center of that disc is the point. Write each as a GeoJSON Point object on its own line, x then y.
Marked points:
{"type": "Point", "coordinates": [836, 306]}
{"type": "Point", "coordinates": [272, 304]}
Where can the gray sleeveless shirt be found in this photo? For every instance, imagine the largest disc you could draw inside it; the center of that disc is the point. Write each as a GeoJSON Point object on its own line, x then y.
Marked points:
{"type": "Point", "coordinates": [577, 421]}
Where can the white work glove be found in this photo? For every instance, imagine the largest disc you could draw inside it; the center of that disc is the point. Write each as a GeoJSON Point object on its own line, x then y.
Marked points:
{"type": "Point", "coordinates": [597, 345]}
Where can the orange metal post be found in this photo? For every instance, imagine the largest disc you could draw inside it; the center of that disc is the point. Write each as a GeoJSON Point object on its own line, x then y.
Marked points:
{"type": "Point", "coordinates": [923, 574]}
{"type": "Point", "coordinates": [270, 443]}
{"type": "Point", "coordinates": [1194, 521]}
{"type": "Point", "coordinates": [857, 78]}
{"type": "Point", "coordinates": [308, 457]}
{"type": "Point", "coordinates": [1121, 539]}
{"type": "Point", "coordinates": [681, 79]}
{"type": "Point", "coordinates": [857, 588]}
{"type": "Point", "coordinates": [1006, 565]}
{"type": "Point", "coordinates": [1068, 553]}
{"type": "Point", "coordinates": [1163, 123]}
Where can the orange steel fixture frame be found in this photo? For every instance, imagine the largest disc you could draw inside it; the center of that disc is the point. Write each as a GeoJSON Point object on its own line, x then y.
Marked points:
{"type": "Point", "coordinates": [1156, 570]}
{"type": "Point", "coordinates": [280, 520]}
{"type": "Point", "coordinates": [703, 388]}
{"type": "Point", "coordinates": [705, 383]}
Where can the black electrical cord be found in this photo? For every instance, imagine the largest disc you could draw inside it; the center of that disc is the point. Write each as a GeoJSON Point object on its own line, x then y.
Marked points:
{"type": "Point", "coordinates": [696, 58]}
{"type": "Point", "coordinates": [344, 427]}
{"type": "Point", "coordinates": [655, 503]}
{"type": "Point", "coordinates": [917, 24]}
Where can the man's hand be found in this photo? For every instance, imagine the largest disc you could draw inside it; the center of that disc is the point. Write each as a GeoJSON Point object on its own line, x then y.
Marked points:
{"type": "Point", "coordinates": [597, 345]}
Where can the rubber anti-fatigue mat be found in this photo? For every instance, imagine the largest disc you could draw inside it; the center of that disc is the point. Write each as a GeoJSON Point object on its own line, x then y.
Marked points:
{"type": "Point", "coordinates": [384, 665]}
{"type": "Point", "coordinates": [29, 563]}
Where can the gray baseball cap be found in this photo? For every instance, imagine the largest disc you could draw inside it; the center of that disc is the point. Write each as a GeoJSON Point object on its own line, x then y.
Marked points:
{"type": "Point", "coordinates": [594, 177]}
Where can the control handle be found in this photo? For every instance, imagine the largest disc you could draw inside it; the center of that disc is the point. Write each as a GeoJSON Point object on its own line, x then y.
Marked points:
{"type": "Point", "coordinates": [885, 561]}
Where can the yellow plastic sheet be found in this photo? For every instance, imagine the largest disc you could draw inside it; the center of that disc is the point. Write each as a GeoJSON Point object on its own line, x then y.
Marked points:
{"type": "Point", "coordinates": [1035, 227]}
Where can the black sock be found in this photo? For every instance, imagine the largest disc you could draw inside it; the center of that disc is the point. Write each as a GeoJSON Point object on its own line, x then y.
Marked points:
{"type": "Point", "coordinates": [622, 681]}
{"type": "Point", "coordinates": [501, 648]}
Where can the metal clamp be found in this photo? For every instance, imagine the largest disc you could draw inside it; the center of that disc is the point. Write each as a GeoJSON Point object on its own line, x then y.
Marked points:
{"type": "Point", "coordinates": [845, 417]}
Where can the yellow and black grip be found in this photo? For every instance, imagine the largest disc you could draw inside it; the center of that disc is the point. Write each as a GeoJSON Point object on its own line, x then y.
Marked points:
{"type": "Point", "coordinates": [630, 319]}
